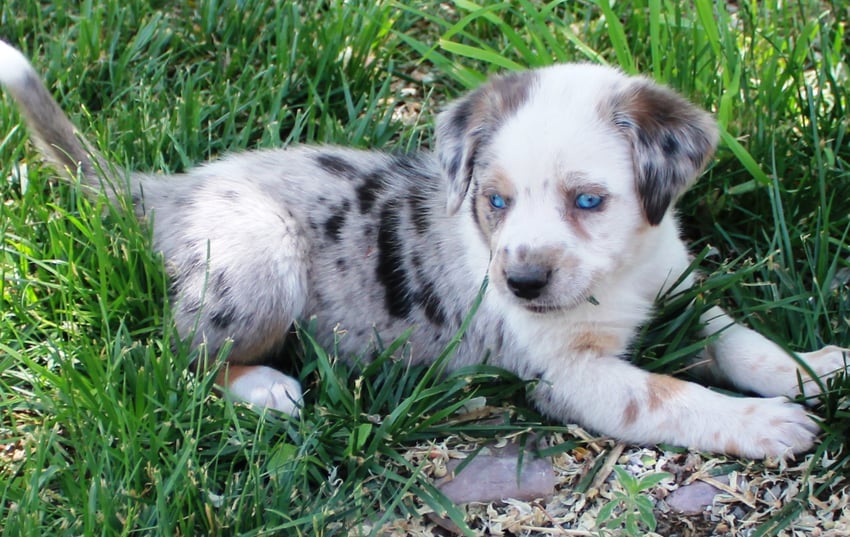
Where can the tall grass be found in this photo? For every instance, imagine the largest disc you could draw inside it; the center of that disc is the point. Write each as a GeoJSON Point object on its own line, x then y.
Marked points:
{"type": "Point", "coordinates": [103, 431]}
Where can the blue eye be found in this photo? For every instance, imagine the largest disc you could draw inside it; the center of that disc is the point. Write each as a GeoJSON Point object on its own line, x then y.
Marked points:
{"type": "Point", "coordinates": [497, 201]}
{"type": "Point", "coordinates": [588, 201]}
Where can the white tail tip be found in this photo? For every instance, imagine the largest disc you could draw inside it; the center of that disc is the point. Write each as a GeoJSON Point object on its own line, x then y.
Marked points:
{"type": "Point", "coordinates": [14, 67]}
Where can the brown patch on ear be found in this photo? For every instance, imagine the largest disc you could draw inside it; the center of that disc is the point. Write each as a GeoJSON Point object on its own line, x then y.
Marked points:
{"type": "Point", "coordinates": [662, 388]}
{"type": "Point", "coordinates": [672, 141]}
{"type": "Point", "coordinates": [468, 124]}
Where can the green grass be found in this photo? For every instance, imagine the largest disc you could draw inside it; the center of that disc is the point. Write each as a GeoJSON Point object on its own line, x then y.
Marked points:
{"type": "Point", "coordinates": [116, 439]}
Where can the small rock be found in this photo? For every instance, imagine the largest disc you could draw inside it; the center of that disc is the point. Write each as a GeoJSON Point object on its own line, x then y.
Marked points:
{"type": "Point", "coordinates": [694, 497]}
{"type": "Point", "coordinates": [492, 476]}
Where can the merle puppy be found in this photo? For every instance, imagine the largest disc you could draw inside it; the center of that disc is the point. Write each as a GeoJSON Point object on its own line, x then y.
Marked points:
{"type": "Point", "coordinates": [557, 184]}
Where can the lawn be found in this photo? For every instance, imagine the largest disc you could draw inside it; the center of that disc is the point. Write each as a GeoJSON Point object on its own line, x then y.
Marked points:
{"type": "Point", "coordinates": [103, 433]}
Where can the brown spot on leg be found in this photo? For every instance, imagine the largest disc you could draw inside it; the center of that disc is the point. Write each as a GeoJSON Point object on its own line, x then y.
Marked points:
{"type": "Point", "coordinates": [732, 448]}
{"type": "Point", "coordinates": [631, 412]}
{"type": "Point", "coordinates": [776, 422]}
{"type": "Point", "coordinates": [829, 349]}
{"type": "Point", "coordinates": [662, 388]}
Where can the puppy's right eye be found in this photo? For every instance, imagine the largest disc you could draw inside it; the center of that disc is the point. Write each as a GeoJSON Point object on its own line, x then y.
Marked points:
{"type": "Point", "coordinates": [497, 201]}
{"type": "Point", "coordinates": [588, 202]}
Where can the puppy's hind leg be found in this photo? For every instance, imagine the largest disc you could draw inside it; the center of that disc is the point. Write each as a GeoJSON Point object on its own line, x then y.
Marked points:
{"type": "Point", "coordinates": [237, 261]}
{"type": "Point", "coordinates": [238, 264]}
{"type": "Point", "coordinates": [262, 386]}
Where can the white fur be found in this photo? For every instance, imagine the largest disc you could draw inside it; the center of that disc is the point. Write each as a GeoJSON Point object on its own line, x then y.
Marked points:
{"type": "Point", "coordinates": [265, 387]}
{"type": "Point", "coordinates": [14, 67]}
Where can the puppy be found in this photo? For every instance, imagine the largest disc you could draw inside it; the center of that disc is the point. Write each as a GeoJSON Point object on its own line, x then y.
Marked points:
{"type": "Point", "coordinates": [556, 184]}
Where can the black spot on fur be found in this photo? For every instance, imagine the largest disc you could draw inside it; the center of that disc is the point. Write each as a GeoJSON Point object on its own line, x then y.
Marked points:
{"type": "Point", "coordinates": [412, 166]}
{"type": "Point", "coordinates": [221, 284]}
{"type": "Point", "coordinates": [191, 306]}
{"type": "Point", "coordinates": [431, 302]}
{"type": "Point", "coordinates": [183, 270]}
{"type": "Point", "coordinates": [333, 225]}
{"type": "Point", "coordinates": [419, 214]}
{"type": "Point", "coordinates": [459, 119]}
{"type": "Point", "coordinates": [341, 264]}
{"type": "Point", "coordinates": [225, 312]}
{"type": "Point", "coordinates": [223, 317]}
{"type": "Point", "coordinates": [473, 196]}
{"type": "Point", "coordinates": [368, 191]}
{"type": "Point", "coordinates": [336, 165]}
{"type": "Point", "coordinates": [179, 273]}
{"type": "Point", "coordinates": [656, 189]}
{"type": "Point", "coordinates": [426, 296]}
{"type": "Point", "coordinates": [670, 145]}
{"type": "Point", "coordinates": [390, 268]}
{"type": "Point", "coordinates": [453, 165]}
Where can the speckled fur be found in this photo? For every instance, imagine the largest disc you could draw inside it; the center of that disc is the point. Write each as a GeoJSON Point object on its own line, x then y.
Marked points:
{"type": "Point", "coordinates": [372, 243]}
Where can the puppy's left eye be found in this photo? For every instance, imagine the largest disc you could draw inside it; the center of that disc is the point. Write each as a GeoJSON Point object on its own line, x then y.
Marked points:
{"type": "Point", "coordinates": [588, 201]}
{"type": "Point", "coordinates": [498, 202]}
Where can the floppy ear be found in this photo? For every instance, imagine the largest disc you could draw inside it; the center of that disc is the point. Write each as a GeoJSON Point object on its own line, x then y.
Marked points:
{"type": "Point", "coordinates": [457, 143]}
{"type": "Point", "coordinates": [672, 141]}
{"type": "Point", "coordinates": [468, 125]}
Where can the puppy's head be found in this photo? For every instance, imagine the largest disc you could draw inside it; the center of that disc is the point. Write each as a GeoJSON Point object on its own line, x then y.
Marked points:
{"type": "Point", "coordinates": [563, 168]}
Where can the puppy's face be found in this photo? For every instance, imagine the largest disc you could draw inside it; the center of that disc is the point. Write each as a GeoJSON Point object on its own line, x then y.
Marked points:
{"type": "Point", "coordinates": [562, 169]}
{"type": "Point", "coordinates": [557, 206]}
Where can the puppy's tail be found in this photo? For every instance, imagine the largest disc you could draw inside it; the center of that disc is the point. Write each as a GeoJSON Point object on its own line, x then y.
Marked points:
{"type": "Point", "coordinates": [56, 137]}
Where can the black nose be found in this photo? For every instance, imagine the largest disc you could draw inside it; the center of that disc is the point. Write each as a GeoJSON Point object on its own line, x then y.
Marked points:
{"type": "Point", "coordinates": [527, 282]}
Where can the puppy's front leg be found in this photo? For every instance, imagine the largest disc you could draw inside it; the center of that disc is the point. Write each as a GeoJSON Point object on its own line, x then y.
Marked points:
{"type": "Point", "coordinates": [615, 398]}
{"type": "Point", "coordinates": [747, 360]}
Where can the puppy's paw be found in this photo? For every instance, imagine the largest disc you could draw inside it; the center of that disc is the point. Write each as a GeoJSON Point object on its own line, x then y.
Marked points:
{"type": "Point", "coordinates": [826, 363]}
{"type": "Point", "coordinates": [264, 387]}
{"type": "Point", "coordinates": [772, 427]}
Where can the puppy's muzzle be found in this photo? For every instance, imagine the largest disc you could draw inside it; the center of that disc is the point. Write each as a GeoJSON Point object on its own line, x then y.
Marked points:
{"type": "Point", "coordinates": [528, 281]}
